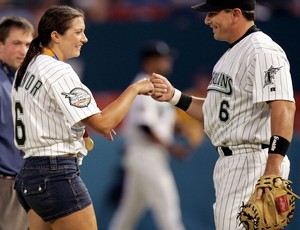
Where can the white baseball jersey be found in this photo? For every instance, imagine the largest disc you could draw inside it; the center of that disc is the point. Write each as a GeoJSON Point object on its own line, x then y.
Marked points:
{"type": "Point", "coordinates": [236, 115]}
{"type": "Point", "coordinates": [252, 72]}
{"type": "Point", "coordinates": [48, 108]}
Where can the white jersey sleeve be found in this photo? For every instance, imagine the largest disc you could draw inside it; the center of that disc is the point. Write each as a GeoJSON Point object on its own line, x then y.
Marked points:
{"type": "Point", "coordinates": [272, 77]}
{"type": "Point", "coordinates": [73, 97]}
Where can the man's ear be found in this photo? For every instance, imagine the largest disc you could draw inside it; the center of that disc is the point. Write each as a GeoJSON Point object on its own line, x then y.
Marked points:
{"type": "Point", "coordinates": [236, 14]}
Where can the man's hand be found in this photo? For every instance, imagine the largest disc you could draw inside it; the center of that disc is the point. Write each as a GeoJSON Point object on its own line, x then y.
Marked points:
{"type": "Point", "coordinates": [163, 90]}
{"type": "Point", "coordinates": [273, 167]}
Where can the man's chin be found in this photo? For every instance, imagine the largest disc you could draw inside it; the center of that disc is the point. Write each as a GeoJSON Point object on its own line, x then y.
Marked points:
{"type": "Point", "coordinates": [16, 65]}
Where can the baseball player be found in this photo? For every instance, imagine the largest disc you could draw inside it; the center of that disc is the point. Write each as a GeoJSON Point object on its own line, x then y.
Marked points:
{"type": "Point", "coordinates": [149, 136]}
{"type": "Point", "coordinates": [249, 110]}
{"type": "Point", "coordinates": [51, 108]}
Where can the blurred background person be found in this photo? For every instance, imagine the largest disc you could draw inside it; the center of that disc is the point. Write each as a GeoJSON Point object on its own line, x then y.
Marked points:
{"type": "Point", "coordinates": [16, 33]}
{"type": "Point", "coordinates": [149, 138]}
{"type": "Point", "coordinates": [188, 127]}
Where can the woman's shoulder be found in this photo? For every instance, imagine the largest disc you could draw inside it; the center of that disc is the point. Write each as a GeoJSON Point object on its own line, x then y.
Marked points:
{"type": "Point", "coordinates": [47, 60]}
{"type": "Point", "coordinates": [47, 64]}
{"type": "Point", "coordinates": [51, 69]}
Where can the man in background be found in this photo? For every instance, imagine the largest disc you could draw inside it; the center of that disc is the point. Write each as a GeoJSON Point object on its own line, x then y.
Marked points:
{"type": "Point", "coordinates": [16, 33]}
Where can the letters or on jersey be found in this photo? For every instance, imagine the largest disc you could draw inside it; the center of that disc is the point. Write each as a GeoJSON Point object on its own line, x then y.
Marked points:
{"type": "Point", "coordinates": [48, 108]}
{"type": "Point", "coordinates": [251, 73]}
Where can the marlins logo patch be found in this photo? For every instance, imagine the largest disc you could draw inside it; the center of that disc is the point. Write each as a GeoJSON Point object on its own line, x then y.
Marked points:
{"type": "Point", "coordinates": [78, 97]}
{"type": "Point", "coordinates": [270, 76]}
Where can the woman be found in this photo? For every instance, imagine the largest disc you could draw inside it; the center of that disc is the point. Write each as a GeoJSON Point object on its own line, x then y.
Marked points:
{"type": "Point", "coordinates": [51, 108]}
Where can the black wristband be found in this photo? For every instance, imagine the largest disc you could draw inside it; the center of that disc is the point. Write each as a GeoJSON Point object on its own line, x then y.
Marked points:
{"type": "Point", "coordinates": [184, 102]}
{"type": "Point", "coordinates": [279, 145]}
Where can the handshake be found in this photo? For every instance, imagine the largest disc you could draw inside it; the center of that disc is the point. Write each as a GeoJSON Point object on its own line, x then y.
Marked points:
{"type": "Point", "coordinates": [158, 87]}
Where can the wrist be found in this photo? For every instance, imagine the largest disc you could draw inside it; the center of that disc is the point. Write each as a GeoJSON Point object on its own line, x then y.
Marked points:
{"type": "Point", "coordinates": [181, 100]}
{"type": "Point", "coordinates": [273, 166]}
{"type": "Point", "coordinates": [278, 145]}
{"type": "Point", "coordinates": [134, 87]}
{"type": "Point", "coordinates": [176, 97]}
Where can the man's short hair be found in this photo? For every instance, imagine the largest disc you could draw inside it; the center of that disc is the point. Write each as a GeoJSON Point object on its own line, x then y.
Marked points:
{"type": "Point", "coordinates": [7, 23]}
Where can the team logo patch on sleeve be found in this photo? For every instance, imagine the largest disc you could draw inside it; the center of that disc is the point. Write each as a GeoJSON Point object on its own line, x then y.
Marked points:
{"type": "Point", "coordinates": [270, 76]}
{"type": "Point", "coordinates": [78, 97]}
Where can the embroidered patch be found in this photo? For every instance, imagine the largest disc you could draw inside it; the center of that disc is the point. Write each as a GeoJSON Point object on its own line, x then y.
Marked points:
{"type": "Point", "coordinates": [78, 97]}
{"type": "Point", "coordinates": [221, 82]}
{"type": "Point", "coordinates": [270, 76]}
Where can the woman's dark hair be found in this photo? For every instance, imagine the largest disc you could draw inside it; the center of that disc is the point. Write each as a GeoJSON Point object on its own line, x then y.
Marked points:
{"type": "Point", "coordinates": [56, 18]}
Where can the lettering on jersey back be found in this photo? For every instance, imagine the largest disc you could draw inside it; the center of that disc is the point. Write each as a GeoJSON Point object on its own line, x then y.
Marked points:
{"type": "Point", "coordinates": [221, 82]}
{"type": "Point", "coordinates": [31, 83]}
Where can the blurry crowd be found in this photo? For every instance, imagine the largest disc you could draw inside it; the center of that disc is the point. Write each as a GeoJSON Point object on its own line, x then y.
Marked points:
{"type": "Point", "coordinates": [144, 10]}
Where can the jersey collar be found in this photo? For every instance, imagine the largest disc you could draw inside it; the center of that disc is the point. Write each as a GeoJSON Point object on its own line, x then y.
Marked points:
{"type": "Point", "coordinates": [251, 30]}
{"type": "Point", "coordinates": [49, 52]}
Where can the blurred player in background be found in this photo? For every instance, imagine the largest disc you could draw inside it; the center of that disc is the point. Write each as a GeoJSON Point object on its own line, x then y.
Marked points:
{"type": "Point", "coordinates": [249, 110]}
{"type": "Point", "coordinates": [188, 127]}
{"type": "Point", "coordinates": [149, 139]}
{"type": "Point", "coordinates": [51, 108]}
{"type": "Point", "coordinates": [16, 33]}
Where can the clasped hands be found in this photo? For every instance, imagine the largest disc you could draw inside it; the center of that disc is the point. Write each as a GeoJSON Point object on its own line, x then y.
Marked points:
{"type": "Point", "coordinates": [162, 90]}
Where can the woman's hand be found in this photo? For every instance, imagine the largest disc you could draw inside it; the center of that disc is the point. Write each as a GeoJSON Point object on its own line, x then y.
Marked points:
{"type": "Point", "coordinates": [144, 86]}
{"type": "Point", "coordinates": [109, 135]}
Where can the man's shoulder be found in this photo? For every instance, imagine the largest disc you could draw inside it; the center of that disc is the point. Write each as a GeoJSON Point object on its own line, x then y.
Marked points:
{"type": "Point", "coordinates": [2, 75]}
{"type": "Point", "coordinates": [260, 40]}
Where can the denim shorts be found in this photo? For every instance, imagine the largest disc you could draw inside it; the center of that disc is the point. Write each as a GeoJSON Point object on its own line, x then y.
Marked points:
{"type": "Point", "coordinates": [51, 186]}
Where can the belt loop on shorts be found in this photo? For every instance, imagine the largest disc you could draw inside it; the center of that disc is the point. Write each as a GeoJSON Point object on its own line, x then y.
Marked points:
{"type": "Point", "coordinates": [53, 163]}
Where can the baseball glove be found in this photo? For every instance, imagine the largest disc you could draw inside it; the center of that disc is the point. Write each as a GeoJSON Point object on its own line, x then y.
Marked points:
{"type": "Point", "coordinates": [274, 210]}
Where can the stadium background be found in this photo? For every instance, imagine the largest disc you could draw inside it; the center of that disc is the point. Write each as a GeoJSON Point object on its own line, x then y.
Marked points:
{"type": "Point", "coordinates": [110, 60]}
